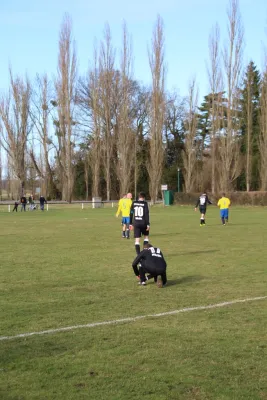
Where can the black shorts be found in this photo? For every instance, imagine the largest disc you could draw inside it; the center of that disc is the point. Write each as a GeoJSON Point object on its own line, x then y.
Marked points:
{"type": "Point", "coordinates": [202, 210]}
{"type": "Point", "coordinates": [140, 230]}
{"type": "Point", "coordinates": [153, 270]}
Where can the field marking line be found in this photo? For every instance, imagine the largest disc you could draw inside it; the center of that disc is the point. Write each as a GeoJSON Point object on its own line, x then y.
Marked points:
{"type": "Point", "coordinates": [133, 319]}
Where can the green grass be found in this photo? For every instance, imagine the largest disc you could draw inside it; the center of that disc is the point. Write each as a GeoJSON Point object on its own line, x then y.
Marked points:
{"type": "Point", "coordinates": [69, 266]}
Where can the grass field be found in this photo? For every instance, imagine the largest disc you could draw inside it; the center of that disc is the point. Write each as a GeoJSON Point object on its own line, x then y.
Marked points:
{"type": "Point", "coordinates": [68, 267]}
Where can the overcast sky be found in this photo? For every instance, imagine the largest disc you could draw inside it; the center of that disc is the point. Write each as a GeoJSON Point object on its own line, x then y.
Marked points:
{"type": "Point", "coordinates": [29, 34]}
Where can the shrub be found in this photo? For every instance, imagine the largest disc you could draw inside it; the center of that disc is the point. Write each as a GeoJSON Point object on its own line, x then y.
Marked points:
{"type": "Point", "coordinates": [237, 198]}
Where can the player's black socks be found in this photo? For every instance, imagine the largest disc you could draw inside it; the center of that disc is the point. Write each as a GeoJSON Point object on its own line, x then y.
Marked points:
{"type": "Point", "coordinates": [127, 233]}
{"type": "Point", "coordinates": [223, 221]}
{"type": "Point", "coordinates": [123, 234]}
{"type": "Point", "coordinates": [137, 248]}
{"type": "Point", "coordinates": [145, 241]}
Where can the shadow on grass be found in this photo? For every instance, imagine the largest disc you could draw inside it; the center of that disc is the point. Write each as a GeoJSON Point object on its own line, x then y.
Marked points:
{"type": "Point", "coordinates": [188, 253]}
{"type": "Point", "coordinates": [244, 224]}
{"type": "Point", "coordinates": [185, 279]}
{"type": "Point", "coordinates": [166, 233]}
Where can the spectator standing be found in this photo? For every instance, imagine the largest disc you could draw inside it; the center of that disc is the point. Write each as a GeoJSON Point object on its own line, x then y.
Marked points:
{"type": "Point", "coordinates": [42, 202]}
{"type": "Point", "coordinates": [23, 202]}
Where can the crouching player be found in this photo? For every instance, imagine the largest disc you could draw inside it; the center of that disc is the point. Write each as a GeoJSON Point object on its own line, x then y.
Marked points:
{"type": "Point", "coordinates": [124, 208]}
{"type": "Point", "coordinates": [151, 262]}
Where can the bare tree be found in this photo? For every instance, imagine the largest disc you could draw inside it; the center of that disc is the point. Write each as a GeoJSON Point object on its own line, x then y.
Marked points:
{"type": "Point", "coordinates": [263, 133]}
{"type": "Point", "coordinates": [16, 125]}
{"type": "Point", "coordinates": [91, 119]}
{"type": "Point", "coordinates": [95, 139]}
{"type": "Point", "coordinates": [232, 56]}
{"type": "Point", "coordinates": [106, 80]}
{"type": "Point", "coordinates": [140, 111]}
{"type": "Point", "coordinates": [249, 111]}
{"type": "Point", "coordinates": [40, 116]}
{"type": "Point", "coordinates": [189, 153]}
{"type": "Point", "coordinates": [157, 111]}
{"type": "Point", "coordinates": [65, 86]}
{"type": "Point", "coordinates": [125, 135]}
{"type": "Point", "coordinates": [215, 83]}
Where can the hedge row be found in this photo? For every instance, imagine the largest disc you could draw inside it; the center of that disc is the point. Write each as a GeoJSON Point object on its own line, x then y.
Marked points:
{"type": "Point", "coordinates": [237, 198]}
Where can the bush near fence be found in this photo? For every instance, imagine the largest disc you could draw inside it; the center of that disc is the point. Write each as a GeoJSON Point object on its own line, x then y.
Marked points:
{"type": "Point", "coordinates": [237, 198]}
{"type": "Point", "coordinates": [7, 206]}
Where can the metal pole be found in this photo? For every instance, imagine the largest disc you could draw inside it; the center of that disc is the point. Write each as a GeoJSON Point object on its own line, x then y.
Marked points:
{"type": "Point", "coordinates": [178, 180]}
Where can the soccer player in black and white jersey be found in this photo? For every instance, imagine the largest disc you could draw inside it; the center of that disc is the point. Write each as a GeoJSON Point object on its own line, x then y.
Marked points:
{"type": "Point", "coordinates": [139, 220]}
{"type": "Point", "coordinates": [152, 262]}
{"type": "Point", "coordinates": [202, 203]}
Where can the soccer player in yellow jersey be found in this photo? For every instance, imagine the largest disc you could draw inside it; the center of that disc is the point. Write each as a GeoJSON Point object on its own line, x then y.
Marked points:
{"type": "Point", "coordinates": [124, 208]}
{"type": "Point", "coordinates": [224, 204]}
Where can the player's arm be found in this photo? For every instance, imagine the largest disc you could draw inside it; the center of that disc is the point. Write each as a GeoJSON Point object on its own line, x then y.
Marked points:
{"type": "Point", "coordinates": [119, 209]}
{"type": "Point", "coordinates": [219, 203]}
{"type": "Point", "coordinates": [136, 261]}
{"type": "Point", "coordinates": [197, 204]}
{"type": "Point", "coordinates": [128, 209]}
{"type": "Point", "coordinates": [131, 213]}
{"type": "Point", "coordinates": [146, 215]}
{"type": "Point", "coordinates": [208, 200]}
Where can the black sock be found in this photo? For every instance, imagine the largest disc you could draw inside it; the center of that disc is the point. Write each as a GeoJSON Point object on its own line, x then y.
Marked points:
{"type": "Point", "coordinates": [127, 233]}
{"type": "Point", "coordinates": [145, 241]}
{"type": "Point", "coordinates": [123, 233]}
{"type": "Point", "coordinates": [223, 221]}
{"type": "Point", "coordinates": [137, 248]}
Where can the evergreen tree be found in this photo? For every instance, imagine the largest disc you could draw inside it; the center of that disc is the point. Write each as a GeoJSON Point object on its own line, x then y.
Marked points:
{"type": "Point", "coordinates": [250, 104]}
{"type": "Point", "coordinates": [204, 120]}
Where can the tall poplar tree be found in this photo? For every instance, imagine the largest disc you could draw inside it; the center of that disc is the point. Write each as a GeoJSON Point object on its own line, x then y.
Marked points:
{"type": "Point", "coordinates": [250, 102]}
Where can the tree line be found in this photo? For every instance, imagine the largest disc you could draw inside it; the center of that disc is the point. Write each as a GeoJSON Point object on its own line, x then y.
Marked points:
{"type": "Point", "coordinates": [104, 133]}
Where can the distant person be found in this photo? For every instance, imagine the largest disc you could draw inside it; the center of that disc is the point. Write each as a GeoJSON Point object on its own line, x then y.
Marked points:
{"type": "Point", "coordinates": [42, 202]}
{"type": "Point", "coordinates": [31, 203]}
{"type": "Point", "coordinates": [23, 202]}
{"type": "Point", "coordinates": [202, 203]}
{"type": "Point", "coordinates": [224, 204]}
{"type": "Point", "coordinates": [151, 262]}
{"type": "Point", "coordinates": [15, 206]}
{"type": "Point", "coordinates": [139, 220]}
{"type": "Point", "coordinates": [124, 208]}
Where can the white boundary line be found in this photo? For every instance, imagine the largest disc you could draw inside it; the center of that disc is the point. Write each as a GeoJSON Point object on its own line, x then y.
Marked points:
{"type": "Point", "coordinates": [133, 319]}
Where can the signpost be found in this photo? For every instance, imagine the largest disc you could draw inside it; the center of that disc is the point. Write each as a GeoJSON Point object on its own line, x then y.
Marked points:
{"type": "Point", "coordinates": [163, 188]}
